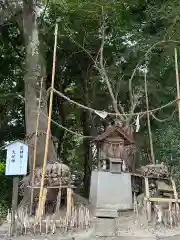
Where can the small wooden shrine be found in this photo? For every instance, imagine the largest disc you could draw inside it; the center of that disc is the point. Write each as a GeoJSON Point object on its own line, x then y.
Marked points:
{"type": "Point", "coordinates": [115, 149]}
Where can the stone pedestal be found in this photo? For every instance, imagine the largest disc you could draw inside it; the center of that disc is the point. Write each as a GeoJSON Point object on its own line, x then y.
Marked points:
{"type": "Point", "coordinates": [110, 192]}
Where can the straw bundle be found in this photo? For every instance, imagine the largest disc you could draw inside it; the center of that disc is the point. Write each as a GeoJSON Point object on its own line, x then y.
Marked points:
{"type": "Point", "coordinates": [158, 170]}
{"type": "Point", "coordinates": [56, 174]}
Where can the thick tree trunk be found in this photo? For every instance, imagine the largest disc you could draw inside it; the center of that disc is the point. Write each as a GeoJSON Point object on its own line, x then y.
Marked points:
{"type": "Point", "coordinates": [35, 71]}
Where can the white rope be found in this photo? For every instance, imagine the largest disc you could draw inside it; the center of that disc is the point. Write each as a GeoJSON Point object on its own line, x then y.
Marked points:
{"type": "Point", "coordinates": [110, 113]}
{"type": "Point", "coordinates": [68, 130]}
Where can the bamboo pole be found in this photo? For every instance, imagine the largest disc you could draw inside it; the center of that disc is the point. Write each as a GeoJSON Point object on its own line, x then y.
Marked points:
{"type": "Point", "coordinates": [35, 146]}
{"type": "Point", "coordinates": [177, 80]}
{"type": "Point", "coordinates": [49, 119]}
{"type": "Point", "coordinates": [41, 209]}
{"type": "Point", "coordinates": [148, 120]}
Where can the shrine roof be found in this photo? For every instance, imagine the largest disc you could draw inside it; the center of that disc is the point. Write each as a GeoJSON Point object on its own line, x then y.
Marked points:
{"type": "Point", "coordinates": [112, 129]}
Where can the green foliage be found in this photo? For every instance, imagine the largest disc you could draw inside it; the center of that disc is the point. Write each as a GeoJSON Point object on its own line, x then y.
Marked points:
{"type": "Point", "coordinates": [167, 142]}
{"type": "Point", "coordinates": [5, 194]}
{"type": "Point", "coordinates": [3, 209]}
{"type": "Point", "coordinates": [2, 167]}
{"type": "Point", "coordinates": [132, 27]}
{"type": "Point", "coordinates": [5, 191]}
{"type": "Point", "coordinates": [167, 148]}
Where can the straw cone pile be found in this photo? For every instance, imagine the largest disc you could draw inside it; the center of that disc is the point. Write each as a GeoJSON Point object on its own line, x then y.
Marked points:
{"type": "Point", "coordinates": [56, 174]}
{"type": "Point", "coordinates": [158, 170]}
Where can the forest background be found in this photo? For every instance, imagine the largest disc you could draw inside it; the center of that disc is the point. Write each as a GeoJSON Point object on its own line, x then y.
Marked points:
{"type": "Point", "coordinates": [136, 35]}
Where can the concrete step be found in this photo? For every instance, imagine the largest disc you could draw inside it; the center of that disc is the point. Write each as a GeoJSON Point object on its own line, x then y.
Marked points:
{"type": "Point", "coordinates": [106, 213]}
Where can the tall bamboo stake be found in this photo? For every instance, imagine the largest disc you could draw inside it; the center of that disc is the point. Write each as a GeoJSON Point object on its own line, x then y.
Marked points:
{"type": "Point", "coordinates": [148, 120]}
{"type": "Point", "coordinates": [177, 80]}
{"type": "Point", "coordinates": [35, 146]}
{"type": "Point", "coordinates": [49, 119]}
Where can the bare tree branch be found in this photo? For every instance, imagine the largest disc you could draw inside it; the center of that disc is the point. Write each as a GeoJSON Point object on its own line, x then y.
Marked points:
{"type": "Point", "coordinates": [100, 67]}
{"type": "Point", "coordinates": [134, 103]}
{"type": "Point", "coordinates": [118, 87]}
{"type": "Point", "coordinates": [133, 106]}
{"type": "Point", "coordinates": [103, 73]}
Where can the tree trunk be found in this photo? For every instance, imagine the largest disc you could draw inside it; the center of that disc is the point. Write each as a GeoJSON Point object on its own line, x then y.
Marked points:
{"type": "Point", "coordinates": [61, 117]}
{"type": "Point", "coordinates": [86, 119]}
{"type": "Point", "coordinates": [35, 71]}
{"type": "Point", "coordinates": [87, 155]}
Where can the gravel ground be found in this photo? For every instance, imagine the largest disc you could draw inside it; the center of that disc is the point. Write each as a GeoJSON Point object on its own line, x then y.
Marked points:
{"type": "Point", "coordinates": [124, 228]}
{"type": "Point", "coordinates": [127, 227]}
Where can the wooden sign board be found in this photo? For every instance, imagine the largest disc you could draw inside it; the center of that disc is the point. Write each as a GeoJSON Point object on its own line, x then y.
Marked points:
{"type": "Point", "coordinates": [17, 159]}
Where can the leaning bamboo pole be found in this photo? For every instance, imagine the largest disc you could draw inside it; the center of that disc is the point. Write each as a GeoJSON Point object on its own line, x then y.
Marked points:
{"type": "Point", "coordinates": [49, 120]}
{"type": "Point", "coordinates": [35, 145]}
{"type": "Point", "coordinates": [148, 120]}
{"type": "Point", "coordinates": [177, 81]}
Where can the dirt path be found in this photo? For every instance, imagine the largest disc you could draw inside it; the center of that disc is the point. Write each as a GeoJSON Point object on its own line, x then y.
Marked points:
{"type": "Point", "coordinates": [126, 227]}
{"type": "Point", "coordinates": [123, 228]}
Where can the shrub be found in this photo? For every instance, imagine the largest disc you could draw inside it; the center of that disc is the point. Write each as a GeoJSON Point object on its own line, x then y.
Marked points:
{"type": "Point", "coordinates": [5, 191]}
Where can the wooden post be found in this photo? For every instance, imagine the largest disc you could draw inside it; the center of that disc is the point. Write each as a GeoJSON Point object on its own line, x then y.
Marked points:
{"type": "Point", "coordinates": [177, 80]}
{"type": "Point", "coordinates": [136, 206]}
{"type": "Point", "coordinates": [175, 196]}
{"type": "Point", "coordinates": [58, 204]}
{"type": "Point", "coordinates": [170, 214]}
{"type": "Point", "coordinates": [69, 201]}
{"type": "Point", "coordinates": [72, 200]}
{"type": "Point", "coordinates": [14, 204]}
{"type": "Point", "coordinates": [148, 203]}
